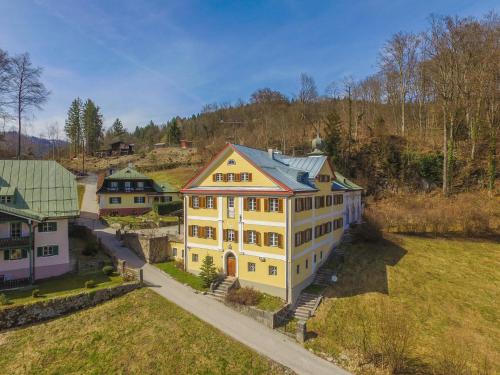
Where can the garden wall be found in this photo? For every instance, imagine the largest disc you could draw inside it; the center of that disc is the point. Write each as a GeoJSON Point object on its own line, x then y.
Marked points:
{"type": "Point", "coordinates": [271, 319]}
{"type": "Point", "coordinates": [151, 249]}
{"type": "Point", "coordinates": [39, 311]}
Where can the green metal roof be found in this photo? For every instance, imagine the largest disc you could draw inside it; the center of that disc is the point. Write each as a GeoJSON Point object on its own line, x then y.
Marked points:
{"type": "Point", "coordinates": [127, 174]}
{"type": "Point", "coordinates": [43, 189]}
{"type": "Point", "coordinates": [348, 184]}
{"type": "Point", "coordinates": [7, 190]}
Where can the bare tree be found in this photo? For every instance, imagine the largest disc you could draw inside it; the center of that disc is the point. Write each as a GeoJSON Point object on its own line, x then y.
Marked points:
{"type": "Point", "coordinates": [5, 73]}
{"type": "Point", "coordinates": [26, 90]}
{"type": "Point", "coordinates": [399, 56]}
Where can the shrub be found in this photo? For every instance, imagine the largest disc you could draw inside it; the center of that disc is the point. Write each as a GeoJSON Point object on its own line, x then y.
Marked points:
{"type": "Point", "coordinates": [244, 296]}
{"type": "Point", "coordinates": [179, 264]}
{"type": "Point", "coordinates": [108, 270]}
{"type": "Point", "coordinates": [90, 247]}
{"type": "Point", "coordinates": [4, 300]}
{"type": "Point", "coordinates": [89, 284]}
{"type": "Point", "coordinates": [208, 272]}
{"type": "Point", "coordinates": [35, 293]}
{"type": "Point", "coordinates": [167, 207]}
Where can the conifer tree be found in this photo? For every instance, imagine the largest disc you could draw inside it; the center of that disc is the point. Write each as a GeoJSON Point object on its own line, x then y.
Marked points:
{"type": "Point", "coordinates": [208, 272]}
{"type": "Point", "coordinates": [73, 126]}
{"type": "Point", "coordinates": [92, 126]}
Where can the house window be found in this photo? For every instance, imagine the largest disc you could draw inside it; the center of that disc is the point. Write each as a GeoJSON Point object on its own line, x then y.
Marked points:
{"type": "Point", "coordinates": [115, 200]}
{"type": "Point", "coordinates": [307, 263]}
{"type": "Point", "coordinates": [273, 271]}
{"type": "Point", "coordinates": [230, 177]}
{"type": "Point", "coordinates": [251, 267]}
{"type": "Point", "coordinates": [5, 199]}
{"type": "Point", "coordinates": [245, 177]}
{"type": "Point", "coordinates": [252, 204]}
{"type": "Point", "coordinates": [128, 185]}
{"type": "Point", "coordinates": [48, 226]}
{"type": "Point", "coordinates": [219, 177]}
{"type": "Point", "coordinates": [338, 199]}
{"type": "Point", "coordinates": [314, 258]}
{"type": "Point", "coordinates": [273, 204]}
{"type": "Point", "coordinates": [113, 185]}
{"type": "Point", "coordinates": [47, 251]}
{"type": "Point", "coordinates": [321, 255]}
{"type": "Point", "coordinates": [273, 239]}
{"type": "Point", "coordinates": [139, 200]}
{"type": "Point", "coordinates": [209, 232]}
{"type": "Point", "coordinates": [196, 202]}
{"type": "Point", "coordinates": [174, 251]}
{"type": "Point", "coordinates": [194, 257]}
{"type": "Point", "coordinates": [252, 237]}
{"type": "Point", "coordinates": [194, 231]}
{"type": "Point", "coordinates": [328, 200]}
{"type": "Point", "coordinates": [15, 230]}
{"type": "Point", "coordinates": [139, 185]}
{"type": "Point", "coordinates": [210, 202]}
{"type": "Point", "coordinates": [231, 162]}
{"type": "Point", "coordinates": [298, 269]}
{"type": "Point", "coordinates": [15, 254]}
{"type": "Point", "coordinates": [231, 236]}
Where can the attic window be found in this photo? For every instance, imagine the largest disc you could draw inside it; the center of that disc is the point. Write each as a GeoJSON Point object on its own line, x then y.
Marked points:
{"type": "Point", "coordinates": [231, 162]}
{"type": "Point", "coordinates": [6, 199]}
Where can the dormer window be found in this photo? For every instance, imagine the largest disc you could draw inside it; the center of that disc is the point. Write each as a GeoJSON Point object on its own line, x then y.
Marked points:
{"type": "Point", "coordinates": [140, 185]}
{"type": "Point", "coordinates": [231, 162]}
{"type": "Point", "coordinates": [113, 185]}
{"type": "Point", "coordinates": [6, 199]}
{"type": "Point", "coordinates": [128, 186]}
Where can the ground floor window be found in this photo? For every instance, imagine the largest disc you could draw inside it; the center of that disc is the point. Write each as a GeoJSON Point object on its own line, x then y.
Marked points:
{"type": "Point", "coordinates": [273, 270]}
{"type": "Point", "coordinates": [321, 255]}
{"type": "Point", "coordinates": [298, 269]}
{"type": "Point", "coordinates": [251, 267]}
{"type": "Point", "coordinates": [194, 257]}
{"type": "Point", "coordinates": [139, 199]}
{"type": "Point", "coordinates": [174, 251]}
{"type": "Point", "coordinates": [210, 259]}
{"type": "Point", "coordinates": [115, 200]}
{"type": "Point", "coordinates": [307, 263]}
{"type": "Point", "coordinates": [15, 254]}
{"type": "Point", "coordinates": [47, 251]}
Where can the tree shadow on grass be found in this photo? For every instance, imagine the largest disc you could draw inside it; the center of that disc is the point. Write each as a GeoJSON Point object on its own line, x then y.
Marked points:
{"type": "Point", "coordinates": [365, 268]}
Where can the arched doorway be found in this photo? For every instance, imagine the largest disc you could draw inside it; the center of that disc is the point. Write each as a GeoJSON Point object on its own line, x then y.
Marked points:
{"type": "Point", "coordinates": [230, 265]}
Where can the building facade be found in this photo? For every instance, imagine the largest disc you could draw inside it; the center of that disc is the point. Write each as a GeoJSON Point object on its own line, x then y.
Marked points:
{"type": "Point", "coordinates": [128, 192]}
{"type": "Point", "coordinates": [266, 218]}
{"type": "Point", "coordinates": [37, 198]}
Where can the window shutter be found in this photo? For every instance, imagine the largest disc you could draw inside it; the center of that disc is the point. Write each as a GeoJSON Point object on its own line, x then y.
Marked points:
{"type": "Point", "coordinates": [245, 236]}
{"type": "Point", "coordinates": [237, 177]}
{"type": "Point", "coordinates": [266, 239]}
{"type": "Point", "coordinates": [280, 205]}
{"type": "Point", "coordinates": [224, 234]}
{"type": "Point", "coordinates": [266, 204]}
{"type": "Point", "coordinates": [236, 236]}
{"type": "Point", "coordinates": [203, 202]}
{"type": "Point", "coordinates": [190, 229]}
{"type": "Point", "coordinates": [201, 232]}
{"type": "Point", "coordinates": [257, 205]}
{"type": "Point", "coordinates": [6, 255]}
{"type": "Point", "coordinates": [190, 202]}
{"type": "Point", "coordinates": [39, 251]}
{"type": "Point", "coordinates": [249, 177]}
{"type": "Point", "coordinates": [215, 202]}
{"type": "Point", "coordinates": [214, 231]}
{"type": "Point", "coordinates": [245, 204]}
{"type": "Point", "coordinates": [224, 177]}
{"type": "Point", "coordinates": [56, 250]}
{"type": "Point", "coordinates": [205, 232]}
{"type": "Point", "coordinates": [280, 241]}
{"type": "Point", "coordinates": [214, 177]}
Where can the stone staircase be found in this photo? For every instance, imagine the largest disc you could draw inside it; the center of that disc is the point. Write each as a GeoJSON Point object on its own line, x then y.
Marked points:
{"type": "Point", "coordinates": [305, 306]}
{"type": "Point", "coordinates": [221, 290]}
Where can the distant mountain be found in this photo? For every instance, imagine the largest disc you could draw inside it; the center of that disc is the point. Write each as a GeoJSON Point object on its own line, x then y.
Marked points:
{"type": "Point", "coordinates": [35, 147]}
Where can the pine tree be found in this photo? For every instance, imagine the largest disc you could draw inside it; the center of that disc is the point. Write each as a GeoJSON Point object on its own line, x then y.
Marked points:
{"type": "Point", "coordinates": [333, 139]}
{"type": "Point", "coordinates": [92, 126]}
{"type": "Point", "coordinates": [117, 129]}
{"type": "Point", "coordinates": [73, 126]}
{"type": "Point", "coordinates": [208, 272]}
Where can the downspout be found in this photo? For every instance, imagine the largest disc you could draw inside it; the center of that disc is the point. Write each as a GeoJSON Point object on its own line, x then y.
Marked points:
{"type": "Point", "coordinates": [288, 218]}
{"type": "Point", "coordinates": [185, 235]}
{"type": "Point", "coordinates": [31, 253]}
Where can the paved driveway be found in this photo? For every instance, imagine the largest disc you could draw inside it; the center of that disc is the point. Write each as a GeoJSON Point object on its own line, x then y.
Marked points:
{"type": "Point", "coordinates": [268, 342]}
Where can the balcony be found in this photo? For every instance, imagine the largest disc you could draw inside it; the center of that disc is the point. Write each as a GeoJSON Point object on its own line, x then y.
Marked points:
{"type": "Point", "coordinates": [15, 242]}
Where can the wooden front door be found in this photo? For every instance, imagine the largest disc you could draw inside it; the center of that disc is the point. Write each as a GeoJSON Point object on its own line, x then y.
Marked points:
{"type": "Point", "coordinates": [231, 265]}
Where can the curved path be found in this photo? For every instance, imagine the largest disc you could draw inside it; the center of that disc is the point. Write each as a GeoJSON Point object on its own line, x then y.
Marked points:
{"type": "Point", "coordinates": [263, 340]}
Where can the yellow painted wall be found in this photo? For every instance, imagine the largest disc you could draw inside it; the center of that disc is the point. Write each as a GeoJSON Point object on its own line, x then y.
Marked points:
{"type": "Point", "coordinates": [128, 200]}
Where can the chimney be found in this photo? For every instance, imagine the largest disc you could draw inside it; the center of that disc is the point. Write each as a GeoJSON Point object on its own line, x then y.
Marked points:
{"type": "Point", "coordinates": [270, 152]}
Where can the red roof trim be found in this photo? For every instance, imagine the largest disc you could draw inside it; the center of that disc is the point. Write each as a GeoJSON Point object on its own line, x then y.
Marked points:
{"type": "Point", "coordinates": [236, 192]}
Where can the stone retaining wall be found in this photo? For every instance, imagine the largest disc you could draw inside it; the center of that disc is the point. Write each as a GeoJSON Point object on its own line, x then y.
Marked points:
{"type": "Point", "coordinates": [17, 316]}
{"type": "Point", "coordinates": [153, 249]}
{"type": "Point", "coordinates": [271, 319]}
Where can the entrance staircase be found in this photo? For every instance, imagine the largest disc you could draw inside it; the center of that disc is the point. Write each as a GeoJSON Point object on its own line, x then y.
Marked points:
{"type": "Point", "coordinates": [305, 306]}
{"type": "Point", "coordinates": [219, 291]}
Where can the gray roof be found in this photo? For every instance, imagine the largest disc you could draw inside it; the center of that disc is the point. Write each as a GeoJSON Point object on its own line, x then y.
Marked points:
{"type": "Point", "coordinates": [298, 173]}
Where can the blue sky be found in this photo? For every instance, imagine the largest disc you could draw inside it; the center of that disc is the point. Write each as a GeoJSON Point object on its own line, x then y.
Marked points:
{"type": "Point", "coordinates": [148, 59]}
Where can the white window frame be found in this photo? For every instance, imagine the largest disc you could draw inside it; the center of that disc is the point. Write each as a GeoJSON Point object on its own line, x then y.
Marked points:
{"type": "Point", "coordinates": [252, 237]}
{"type": "Point", "coordinates": [174, 251]}
{"type": "Point", "coordinates": [139, 185]}
{"type": "Point", "coordinates": [251, 267]}
{"type": "Point", "coordinates": [274, 204]}
{"type": "Point", "coordinates": [231, 177]}
{"type": "Point", "coordinates": [231, 162]}
{"type": "Point", "coordinates": [231, 236]}
{"type": "Point", "coordinates": [113, 185]}
{"type": "Point", "coordinates": [127, 185]}
{"type": "Point", "coordinates": [244, 177]}
{"type": "Point", "coordinates": [196, 202]}
{"type": "Point", "coordinates": [209, 232]}
{"type": "Point", "coordinates": [6, 199]}
{"type": "Point", "coordinates": [210, 202]}
{"type": "Point", "coordinates": [252, 204]}
{"type": "Point", "coordinates": [20, 254]}
{"type": "Point", "coordinates": [139, 200]}
{"type": "Point", "coordinates": [273, 239]}
{"type": "Point", "coordinates": [219, 177]}
{"type": "Point", "coordinates": [115, 200]}
{"type": "Point", "coordinates": [195, 231]}
{"type": "Point", "coordinates": [273, 270]}
{"type": "Point", "coordinates": [48, 251]}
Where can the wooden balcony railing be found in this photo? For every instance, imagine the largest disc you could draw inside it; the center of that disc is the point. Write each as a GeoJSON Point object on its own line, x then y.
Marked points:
{"type": "Point", "coordinates": [17, 241]}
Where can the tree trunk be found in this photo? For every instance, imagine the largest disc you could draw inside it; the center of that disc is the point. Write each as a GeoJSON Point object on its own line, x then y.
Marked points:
{"type": "Point", "coordinates": [19, 130]}
{"type": "Point", "coordinates": [445, 153]}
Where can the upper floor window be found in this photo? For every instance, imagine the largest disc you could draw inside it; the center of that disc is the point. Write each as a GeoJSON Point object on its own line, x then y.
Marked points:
{"type": "Point", "coordinates": [194, 230]}
{"type": "Point", "coordinates": [252, 237]}
{"type": "Point", "coordinates": [15, 230]}
{"type": "Point", "coordinates": [274, 204]}
{"type": "Point", "coordinates": [210, 202]}
{"type": "Point", "coordinates": [209, 232]}
{"type": "Point", "coordinates": [338, 199]}
{"type": "Point", "coordinates": [273, 239]}
{"type": "Point", "coordinates": [6, 199]}
{"type": "Point", "coordinates": [252, 204]}
{"type": "Point", "coordinates": [219, 177]}
{"type": "Point", "coordinates": [245, 176]}
{"type": "Point", "coordinates": [48, 226]}
{"type": "Point", "coordinates": [113, 185]}
{"type": "Point", "coordinates": [323, 178]}
{"type": "Point", "coordinates": [231, 235]}
{"type": "Point", "coordinates": [231, 162]}
{"type": "Point", "coordinates": [328, 200]}
{"type": "Point", "coordinates": [230, 177]}
{"type": "Point", "coordinates": [196, 202]}
{"type": "Point", "coordinates": [140, 185]}
{"type": "Point", "coordinates": [127, 185]}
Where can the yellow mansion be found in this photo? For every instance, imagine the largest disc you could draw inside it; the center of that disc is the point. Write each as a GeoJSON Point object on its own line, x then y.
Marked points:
{"type": "Point", "coordinates": [266, 218]}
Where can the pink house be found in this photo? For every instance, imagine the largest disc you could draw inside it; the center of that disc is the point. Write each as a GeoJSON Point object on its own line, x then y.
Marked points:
{"type": "Point", "coordinates": [37, 197]}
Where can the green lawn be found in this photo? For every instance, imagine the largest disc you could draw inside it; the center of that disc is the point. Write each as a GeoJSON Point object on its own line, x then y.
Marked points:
{"type": "Point", "coordinates": [445, 292]}
{"type": "Point", "coordinates": [139, 333]}
{"type": "Point", "coordinates": [62, 286]}
{"type": "Point", "coordinates": [270, 303]}
{"type": "Point", "coordinates": [81, 192]}
{"type": "Point", "coordinates": [176, 177]}
{"type": "Point", "coordinates": [184, 277]}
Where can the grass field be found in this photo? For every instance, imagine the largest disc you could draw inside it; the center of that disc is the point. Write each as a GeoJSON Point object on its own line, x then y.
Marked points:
{"type": "Point", "coordinates": [62, 286]}
{"type": "Point", "coordinates": [181, 276]}
{"type": "Point", "coordinates": [176, 177]}
{"type": "Point", "coordinates": [139, 333]}
{"type": "Point", "coordinates": [445, 290]}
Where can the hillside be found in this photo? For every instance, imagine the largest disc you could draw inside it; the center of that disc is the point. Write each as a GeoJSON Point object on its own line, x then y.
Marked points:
{"type": "Point", "coordinates": [32, 147]}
